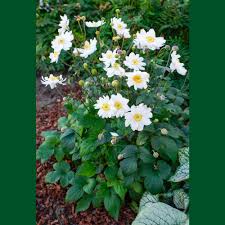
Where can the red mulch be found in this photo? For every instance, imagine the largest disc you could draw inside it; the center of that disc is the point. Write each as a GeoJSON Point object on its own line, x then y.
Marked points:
{"type": "Point", "coordinates": [51, 208]}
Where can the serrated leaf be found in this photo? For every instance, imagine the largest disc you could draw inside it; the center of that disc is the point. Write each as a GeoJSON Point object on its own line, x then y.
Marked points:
{"type": "Point", "coordinates": [68, 139]}
{"type": "Point", "coordinates": [146, 156]}
{"type": "Point", "coordinates": [62, 122]}
{"type": "Point", "coordinates": [66, 179]}
{"type": "Point", "coordinates": [129, 165]}
{"type": "Point", "coordinates": [59, 153]}
{"type": "Point", "coordinates": [164, 169]}
{"type": "Point", "coordinates": [129, 151]}
{"type": "Point", "coordinates": [87, 146]}
{"type": "Point", "coordinates": [119, 188]}
{"type": "Point", "coordinates": [52, 177]}
{"type": "Point", "coordinates": [86, 169]}
{"type": "Point", "coordinates": [165, 146]}
{"type": "Point", "coordinates": [62, 167]}
{"type": "Point", "coordinates": [112, 204]}
{"type": "Point", "coordinates": [111, 172]}
{"type": "Point", "coordinates": [84, 203]}
{"type": "Point", "coordinates": [44, 153]}
{"type": "Point", "coordinates": [180, 199]}
{"type": "Point", "coordinates": [142, 138]}
{"type": "Point", "coordinates": [74, 193]}
{"type": "Point", "coordinates": [88, 188]}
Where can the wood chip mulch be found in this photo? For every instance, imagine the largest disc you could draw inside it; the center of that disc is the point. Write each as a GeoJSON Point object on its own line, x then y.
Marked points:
{"type": "Point", "coordinates": [51, 208]}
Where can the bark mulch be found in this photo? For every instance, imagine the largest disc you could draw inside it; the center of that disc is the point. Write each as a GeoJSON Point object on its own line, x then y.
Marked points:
{"type": "Point", "coordinates": [51, 208]}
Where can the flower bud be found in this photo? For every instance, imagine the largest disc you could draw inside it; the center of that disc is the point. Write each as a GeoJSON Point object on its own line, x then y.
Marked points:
{"type": "Point", "coordinates": [156, 121]}
{"type": "Point", "coordinates": [83, 18]}
{"type": "Point", "coordinates": [97, 32]}
{"type": "Point", "coordinates": [103, 79]}
{"type": "Point", "coordinates": [63, 129]}
{"type": "Point", "coordinates": [85, 65]}
{"type": "Point", "coordinates": [119, 51]}
{"type": "Point", "coordinates": [124, 52]}
{"type": "Point", "coordinates": [166, 119]}
{"type": "Point", "coordinates": [94, 72]}
{"type": "Point", "coordinates": [87, 84]}
{"type": "Point", "coordinates": [64, 99]}
{"type": "Point", "coordinates": [100, 136]}
{"type": "Point", "coordinates": [81, 83]}
{"type": "Point", "coordinates": [133, 47]}
{"type": "Point", "coordinates": [175, 48]}
{"type": "Point", "coordinates": [167, 47]}
{"type": "Point", "coordinates": [115, 38]}
{"type": "Point", "coordinates": [155, 154]}
{"type": "Point", "coordinates": [164, 131]}
{"type": "Point", "coordinates": [117, 11]}
{"type": "Point", "coordinates": [115, 83]}
{"type": "Point", "coordinates": [120, 157]}
{"type": "Point", "coordinates": [114, 140]}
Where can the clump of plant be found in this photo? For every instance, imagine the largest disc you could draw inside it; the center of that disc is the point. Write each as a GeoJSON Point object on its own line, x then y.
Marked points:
{"type": "Point", "coordinates": [123, 138]}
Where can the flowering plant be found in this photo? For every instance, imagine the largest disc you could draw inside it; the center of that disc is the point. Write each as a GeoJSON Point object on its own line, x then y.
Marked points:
{"type": "Point", "coordinates": [123, 137]}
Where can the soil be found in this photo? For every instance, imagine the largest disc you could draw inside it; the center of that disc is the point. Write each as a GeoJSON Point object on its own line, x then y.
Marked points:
{"type": "Point", "coordinates": [51, 208]}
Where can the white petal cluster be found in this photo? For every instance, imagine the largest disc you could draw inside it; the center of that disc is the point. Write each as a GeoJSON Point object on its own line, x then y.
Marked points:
{"type": "Point", "coordinates": [94, 24]}
{"type": "Point", "coordinates": [138, 117]}
{"type": "Point", "coordinates": [89, 48]}
{"type": "Point", "coordinates": [64, 24]}
{"type": "Point", "coordinates": [52, 80]}
{"type": "Point", "coordinates": [109, 58]}
{"type": "Point", "coordinates": [115, 69]}
{"type": "Point", "coordinates": [148, 40]}
{"type": "Point", "coordinates": [138, 79]}
{"type": "Point", "coordinates": [116, 106]}
{"type": "Point", "coordinates": [176, 64]}
{"type": "Point", "coordinates": [63, 41]}
{"type": "Point", "coordinates": [134, 62]}
{"type": "Point", "coordinates": [120, 27]}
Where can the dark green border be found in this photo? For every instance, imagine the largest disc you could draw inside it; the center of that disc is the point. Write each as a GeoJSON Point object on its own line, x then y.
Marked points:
{"type": "Point", "coordinates": [17, 112]}
{"type": "Point", "coordinates": [207, 89]}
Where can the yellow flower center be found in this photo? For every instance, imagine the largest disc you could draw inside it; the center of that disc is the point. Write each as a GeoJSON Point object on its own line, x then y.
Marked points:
{"type": "Point", "coordinates": [56, 54]}
{"type": "Point", "coordinates": [105, 107]}
{"type": "Point", "coordinates": [53, 78]}
{"type": "Point", "coordinates": [109, 55]}
{"type": "Point", "coordinates": [87, 45]}
{"type": "Point", "coordinates": [137, 78]}
{"type": "Point", "coordinates": [137, 117]}
{"type": "Point", "coordinates": [120, 26]}
{"type": "Point", "coordinates": [150, 39]}
{"type": "Point", "coordinates": [135, 62]}
{"type": "Point", "coordinates": [118, 105]}
{"type": "Point", "coordinates": [116, 66]}
{"type": "Point", "coordinates": [61, 41]}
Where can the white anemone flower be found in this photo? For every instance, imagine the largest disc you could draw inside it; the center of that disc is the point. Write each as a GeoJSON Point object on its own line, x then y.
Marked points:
{"type": "Point", "coordinates": [63, 41]}
{"type": "Point", "coordinates": [54, 56]}
{"type": "Point", "coordinates": [52, 81]}
{"type": "Point", "coordinates": [64, 24]}
{"type": "Point", "coordinates": [89, 48]}
{"type": "Point", "coordinates": [176, 64]}
{"type": "Point", "coordinates": [138, 79]}
{"type": "Point", "coordinates": [94, 24]}
{"type": "Point", "coordinates": [138, 117]}
{"type": "Point", "coordinates": [120, 105]}
{"type": "Point", "coordinates": [115, 69]}
{"type": "Point", "coordinates": [135, 62]}
{"type": "Point", "coordinates": [148, 40]}
{"type": "Point", "coordinates": [104, 106]}
{"type": "Point", "coordinates": [120, 27]}
{"type": "Point", "coordinates": [109, 57]}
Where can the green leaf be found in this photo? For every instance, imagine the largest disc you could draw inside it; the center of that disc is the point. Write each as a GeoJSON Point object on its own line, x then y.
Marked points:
{"type": "Point", "coordinates": [146, 156]}
{"type": "Point", "coordinates": [142, 138]}
{"type": "Point", "coordinates": [66, 179]}
{"type": "Point", "coordinates": [84, 203]}
{"type": "Point", "coordinates": [44, 153]}
{"type": "Point", "coordinates": [119, 188]}
{"type": "Point", "coordinates": [112, 204]}
{"type": "Point", "coordinates": [129, 165]}
{"type": "Point", "coordinates": [68, 139]}
{"type": "Point", "coordinates": [86, 169]}
{"type": "Point", "coordinates": [165, 146]}
{"type": "Point", "coordinates": [62, 122]}
{"type": "Point", "coordinates": [137, 187]}
{"type": "Point", "coordinates": [88, 188]}
{"type": "Point", "coordinates": [111, 172]}
{"type": "Point", "coordinates": [154, 183]}
{"type": "Point", "coordinates": [129, 151]}
{"type": "Point", "coordinates": [164, 169]}
{"type": "Point", "coordinates": [74, 193]}
{"type": "Point", "coordinates": [62, 167]}
{"type": "Point", "coordinates": [52, 177]}
{"type": "Point", "coordinates": [87, 146]}
{"type": "Point", "coordinates": [59, 153]}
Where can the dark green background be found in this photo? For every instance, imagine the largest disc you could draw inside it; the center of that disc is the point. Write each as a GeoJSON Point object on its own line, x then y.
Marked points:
{"type": "Point", "coordinates": [17, 112]}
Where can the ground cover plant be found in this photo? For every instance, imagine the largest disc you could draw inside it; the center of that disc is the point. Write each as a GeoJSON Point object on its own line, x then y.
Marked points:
{"type": "Point", "coordinates": [129, 132]}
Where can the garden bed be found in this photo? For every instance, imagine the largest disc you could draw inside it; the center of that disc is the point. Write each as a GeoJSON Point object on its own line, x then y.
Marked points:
{"type": "Point", "coordinates": [50, 204]}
